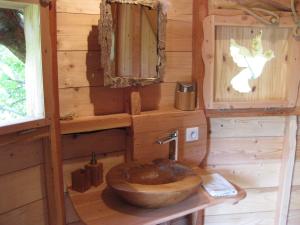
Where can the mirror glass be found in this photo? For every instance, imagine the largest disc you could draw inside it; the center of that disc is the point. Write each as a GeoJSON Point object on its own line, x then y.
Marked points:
{"type": "Point", "coordinates": [132, 44]}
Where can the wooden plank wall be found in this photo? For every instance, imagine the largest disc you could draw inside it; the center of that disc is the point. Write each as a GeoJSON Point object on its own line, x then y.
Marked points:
{"type": "Point", "coordinates": [253, 146]}
{"type": "Point", "coordinates": [248, 151]}
{"type": "Point", "coordinates": [294, 213]}
{"type": "Point", "coordinates": [22, 184]}
{"type": "Point", "coordinates": [80, 75]}
{"type": "Point", "coordinates": [81, 78]}
{"type": "Point", "coordinates": [108, 145]}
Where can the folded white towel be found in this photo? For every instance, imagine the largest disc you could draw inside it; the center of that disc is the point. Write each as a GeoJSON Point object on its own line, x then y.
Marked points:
{"type": "Point", "coordinates": [218, 186]}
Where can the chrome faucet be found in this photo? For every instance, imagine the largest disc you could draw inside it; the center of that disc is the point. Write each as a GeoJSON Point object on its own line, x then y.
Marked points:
{"type": "Point", "coordinates": [172, 140]}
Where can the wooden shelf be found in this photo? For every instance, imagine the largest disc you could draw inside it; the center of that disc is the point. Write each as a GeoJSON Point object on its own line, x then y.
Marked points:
{"type": "Point", "coordinates": [100, 206]}
{"type": "Point", "coordinates": [95, 123]}
{"type": "Point", "coordinates": [214, 113]}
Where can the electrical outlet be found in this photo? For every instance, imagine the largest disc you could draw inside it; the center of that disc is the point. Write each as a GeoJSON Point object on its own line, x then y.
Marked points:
{"type": "Point", "coordinates": [192, 134]}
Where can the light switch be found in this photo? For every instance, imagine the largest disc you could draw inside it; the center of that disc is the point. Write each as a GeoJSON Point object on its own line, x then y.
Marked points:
{"type": "Point", "coordinates": [192, 134]}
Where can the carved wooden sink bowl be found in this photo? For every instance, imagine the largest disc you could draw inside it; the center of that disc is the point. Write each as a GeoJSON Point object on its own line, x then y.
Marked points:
{"type": "Point", "coordinates": [155, 185]}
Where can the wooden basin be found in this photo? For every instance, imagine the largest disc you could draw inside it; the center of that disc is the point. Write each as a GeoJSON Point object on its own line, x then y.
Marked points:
{"type": "Point", "coordinates": [155, 185]}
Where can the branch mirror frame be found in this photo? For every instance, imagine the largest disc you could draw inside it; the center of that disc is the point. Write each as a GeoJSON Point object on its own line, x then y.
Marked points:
{"type": "Point", "coordinates": [107, 40]}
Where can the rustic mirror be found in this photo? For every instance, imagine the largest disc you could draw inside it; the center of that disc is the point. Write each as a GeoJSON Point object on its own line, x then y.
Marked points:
{"type": "Point", "coordinates": [132, 40]}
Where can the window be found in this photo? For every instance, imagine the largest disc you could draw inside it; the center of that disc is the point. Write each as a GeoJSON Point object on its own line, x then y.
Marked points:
{"type": "Point", "coordinates": [21, 80]}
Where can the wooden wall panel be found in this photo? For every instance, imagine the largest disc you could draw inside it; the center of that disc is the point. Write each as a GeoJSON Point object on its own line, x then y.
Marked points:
{"type": "Point", "coordinates": [82, 145]}
{"type": "Point", "coordinates": [244, 150]}
{"type": "Point", "coordinates": [257, 218]}
{"type": "Point", "coordinates": [22, 184]}
{"type": "Point", "coordinates": [254, 175]}
{"type": "Point", "coordinates": [34, 213]}
{"type": "Point", "coordinates": [20, 188]}
{"type": "Point", "coordinates": [294, 217]}
{"type": "Point", "coordinates": [148, 128]}
{"type": "Point", "coordinates": [108, 161]}
{"type": "Point", "coordinates": [20, 156]}
{"type": "Point", "coordinates": [159, 96]}
{"type": "Point", "coordinates": [257, 200]}
{"type": "Point", "coordinates": [248, 152]}
{"type": "Point", "coordinates": [82, 68]}
{"type": "Point", "coordinates": [294, 213]}
{"type": "Point", "coordinates": [247, 127]}
{"type": "Point", "coordinates": [79, 61]}
{"type": "Point", "coordinates": [77, 32]}
{"type": "Point", "coordinates": [76, 6]}
{"type": "Point", "coordinates": [79, 69]}
{"type": "Point", "coordinates": [179, 34]}
{"type": "Point", "coordinates": [295, 198]}
{"type": "Point", "coordinates": [89, 101]}
{"type": "Point", "coordinates": [178, 67]}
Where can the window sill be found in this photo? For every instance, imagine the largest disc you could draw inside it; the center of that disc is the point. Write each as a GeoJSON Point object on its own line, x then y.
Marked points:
{"type": "Point", "coordinates": [24, 126]}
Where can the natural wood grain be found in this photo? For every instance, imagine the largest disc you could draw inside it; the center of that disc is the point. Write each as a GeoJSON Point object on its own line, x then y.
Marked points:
{"type": "Point", "coordinates": [275, 5]}
{"type": "Point", "coordinates": [178, 67]}
{"type": "Point", "coordinates": [258, 200]}
{"type": "Point", "coordinates": [32, 213]}
{"type": "Point", "coordinates": [102, 142]}
{"type": "Point", "coordinates": [95, 123]}
{"type": "Point", "coordinates": [88, 101]}
{"type": "Point", "coordinates": [179, 34]}
{"type": "Point", "coordinates": [200, 11]}
{"type": "Point", "coordinates": [257, 218]}
{"type": "Point", "coordinates": [255, 175]}
{"type": "Point", "coordinates": [295, 196]}
{"type": "Point", "coordinates": [150, 126]}
{"type": "Point", "coordinates": [296, 178]}
{"type": "Point", "coordinates": [177, 8]}
{"type": "Point", "coordinates": [231, 151]}
{"type": "Point", "coordinates": [220, 67]}
{"type": "Point", "coordinates": [113, 210]}
{"type": "Point", "coordinates": [79, 32]}
{"type": "Point", "coordinates": [211, 113]}
{"type": "Point", "coordinates": [24, 136]}
{"type": "Point", "coordinates": [108, 160]}
{"type": "Point", "coordinates": [247, 127]}
{"type": "Point", "coordinates": [135, 103]}
{"type": "Point", "coordinates": [134, 182]}
{"type": "Point", "coordinates": [83, 69]}
{"type": "Point", "coordinates": [294, 216]}
{"type": "Point", "coordinates": [52, 147]}
{"type": "Point", "coordinates": [158, 96]}
{"type": "Point", "coordinates": [20, 156]}
{"type": "Point", "coordinates": [14, 185]}
{"type": "Point", "coordinates": [79, 69]}
{"type": "Point", "coordinates": [286, 171]}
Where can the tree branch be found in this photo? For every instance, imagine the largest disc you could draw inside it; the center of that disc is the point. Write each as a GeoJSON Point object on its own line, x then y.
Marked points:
{"type": "Point", "coordinates": [3, 108]}
{"type": "Point", "coordinates": [12, 32]}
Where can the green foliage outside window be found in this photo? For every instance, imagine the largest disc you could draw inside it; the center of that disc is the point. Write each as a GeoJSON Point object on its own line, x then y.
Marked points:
{"type": "Point", "coordinates": [12, 86]}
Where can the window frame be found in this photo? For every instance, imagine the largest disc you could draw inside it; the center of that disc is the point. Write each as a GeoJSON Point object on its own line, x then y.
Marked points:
{"type": "Point", "coordinates": [47, 70]}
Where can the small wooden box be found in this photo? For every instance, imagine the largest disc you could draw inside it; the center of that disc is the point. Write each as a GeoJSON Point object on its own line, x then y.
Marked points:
{"type": "Point", "coordinates": [277, 87]}
{"type": "Point", "coordinates": [81, 180]}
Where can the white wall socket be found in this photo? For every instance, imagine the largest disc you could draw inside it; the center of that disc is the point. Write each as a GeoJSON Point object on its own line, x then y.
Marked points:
{"type": "Point", "coordinates": [192, 134]}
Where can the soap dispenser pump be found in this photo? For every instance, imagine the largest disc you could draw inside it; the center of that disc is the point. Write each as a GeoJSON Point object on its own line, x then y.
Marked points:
{"type": "Point", "coordinates": [96, 170]}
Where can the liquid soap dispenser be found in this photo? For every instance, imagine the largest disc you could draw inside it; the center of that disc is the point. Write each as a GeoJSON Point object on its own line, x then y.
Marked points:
{"type": "Point", "coordinates": [96, 171]}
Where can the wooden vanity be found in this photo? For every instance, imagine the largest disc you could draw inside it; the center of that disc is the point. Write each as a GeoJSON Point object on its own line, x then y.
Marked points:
{"type": "Point", "coordinates": [101, 206]}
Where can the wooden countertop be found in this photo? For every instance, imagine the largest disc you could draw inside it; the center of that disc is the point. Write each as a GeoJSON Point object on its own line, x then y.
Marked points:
{"type": "Point", "coordinates": [100, 206]}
